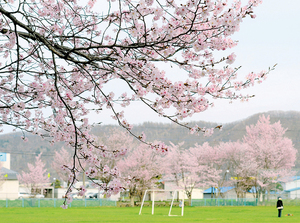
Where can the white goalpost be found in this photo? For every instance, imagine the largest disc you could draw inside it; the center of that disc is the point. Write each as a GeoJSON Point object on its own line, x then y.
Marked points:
{"type": "Point", "coordinates": [153, 200]}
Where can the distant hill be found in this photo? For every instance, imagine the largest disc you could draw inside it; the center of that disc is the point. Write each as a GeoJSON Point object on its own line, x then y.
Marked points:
{"type": "Point", "coordinates": [22, 153]}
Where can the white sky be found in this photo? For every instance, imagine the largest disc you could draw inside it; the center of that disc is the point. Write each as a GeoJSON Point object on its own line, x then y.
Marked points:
{"type": "Point", "coordinates": [273, 37]}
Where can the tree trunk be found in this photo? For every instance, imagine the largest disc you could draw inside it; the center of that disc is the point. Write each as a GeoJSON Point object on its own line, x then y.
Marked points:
{"type": "Point", "coordinates": [268, 195]}
{"type": "Point", "coordinates": [190, 200]}
{"type": "Point", "coordinates": [263, 197]}
{"type": "Point", "coordinates": [189, 195]}
{"type": "Point", "coordinates": [141, 195]}
{"type": "Point", "coordinates": [132, 201]}
{"type": "Point", "coordinates": [257, 193]}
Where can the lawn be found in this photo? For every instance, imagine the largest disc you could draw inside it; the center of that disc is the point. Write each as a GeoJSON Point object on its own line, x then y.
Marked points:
{"type": "Point", "coordinates": [256, 214]}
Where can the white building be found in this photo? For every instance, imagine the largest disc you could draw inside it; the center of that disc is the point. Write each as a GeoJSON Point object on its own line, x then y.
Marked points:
{"type": "Point", "coordinates": [9, 183]}
{"type": "Point", "coordinates": [291, 188]}
{"type": "Point", "coordinates": [60, 192]}
{"type": "Point", "coordinates": [170, 185]}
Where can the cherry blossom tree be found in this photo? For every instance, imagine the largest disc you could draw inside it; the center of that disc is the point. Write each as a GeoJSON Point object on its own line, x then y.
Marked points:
{"type": "Point", "coordinates": [61, 58]}
{"type": "Point", "coordinates": [183, 167]}
{"type": "Point", "coordinates": [141, 170]}
{"type": "Point", "coordinates": [36, 178]}
{"type": "Point", "coordinates": [62, 164]}
{"type": "Point", "coordinates": [274, 153]}
{"type": "Point", "coordinates": [264, 158]}
{"type": "Point", "coordinates": [211, 162]}
{"type": "Point", "coordinates": [228, 164]}
{"type": "Point", "coordinates": [241, 166]}
{"type": "Point", "coordinates": [61, 160]}
{"type": "Point", "coordinates": [116, 142]}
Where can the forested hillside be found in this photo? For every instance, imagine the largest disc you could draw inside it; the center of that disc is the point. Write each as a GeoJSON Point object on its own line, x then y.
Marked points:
{"type": "Point", "coordinates": [24, 152]}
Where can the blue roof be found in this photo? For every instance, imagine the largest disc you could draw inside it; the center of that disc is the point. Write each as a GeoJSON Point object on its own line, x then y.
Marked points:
{"type": "Point", "coordinates": [295, 178]}
{"type": "Point", "coordinates": [216, 190]}
{"type": "Point", "coordinates": [225, 189]}
{"type": "Point", "coordinates": [289, 179]}
{"type": "Point", "coordinates": [253, 190]}
{"type": "Point", "coordinates": [294, 189]}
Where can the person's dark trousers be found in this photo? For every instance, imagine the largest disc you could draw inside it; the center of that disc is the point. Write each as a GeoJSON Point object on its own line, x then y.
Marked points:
{"type": "Point", "coordinates": [279, 213]}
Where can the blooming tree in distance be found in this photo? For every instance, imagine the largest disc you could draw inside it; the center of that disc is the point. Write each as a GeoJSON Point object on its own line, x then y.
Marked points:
{"type": "Point", "coordinates": [182, 170]}
{"type": "Point", "coordinates": [274, 153]}
{"type": "Point", "coordinates": [241, 166]}
{"type": "Point", "coordinates": [185, 170]}
{"type": "Point", "coordinates": [61, 58]}
{"type": "Point", "coordinates": [62, 164]}
{"type": "Point", "coordinates": [36, 178]}
{"type": "Point", "coordinates": [61, 160]}
{"type": "Point", "coordinates": [264, 158]}
{"type": "Point", "coordinates": [210, 164]}
{"type": "Point", "coordinates": [117, 143]}
{"type": "Point", "coordinates": [141, 170]}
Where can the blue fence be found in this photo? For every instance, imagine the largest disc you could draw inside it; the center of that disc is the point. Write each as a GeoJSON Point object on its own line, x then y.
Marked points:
{"type": "Point", "coordinates": [48, 202]}
{"type": "Point", "coordinates": [242, 202]}
{"type": "Point", "coordinates": [225, 202]}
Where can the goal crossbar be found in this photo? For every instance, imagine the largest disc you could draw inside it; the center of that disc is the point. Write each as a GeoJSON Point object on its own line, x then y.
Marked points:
{"type": "Point", "coordinates": [153, 200]}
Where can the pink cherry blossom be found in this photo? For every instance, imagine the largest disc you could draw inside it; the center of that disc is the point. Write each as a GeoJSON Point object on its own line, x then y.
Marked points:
{"type": "Point", "coordinates": [140, 170]}
{"type": "Point", "coordinates": [60, 59]}
{"type": "Point", "coordinates": [36, 177]}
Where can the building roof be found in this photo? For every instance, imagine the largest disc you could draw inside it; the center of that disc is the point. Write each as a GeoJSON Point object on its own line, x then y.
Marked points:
{"type": "Point", "coordinates": [296, 178]}
{"type": "Point", "coordinates": [11, 175]}
{"type": "Point", "coordinates": [226, 189]}
{"type": "Point", "coordinates": [216, 190]}
{"type": "Point", "coordinates": [294, 189]}
{"type": "Point", "coordinates": [253, 190]}
{"type": "Point", "coordinates": [289, 179]}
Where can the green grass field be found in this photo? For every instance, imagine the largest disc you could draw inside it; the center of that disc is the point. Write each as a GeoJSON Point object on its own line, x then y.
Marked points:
{"type": "Point", "coordinates": [114, 214]}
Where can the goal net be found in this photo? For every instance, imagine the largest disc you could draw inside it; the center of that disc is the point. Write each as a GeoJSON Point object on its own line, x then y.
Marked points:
{"type": "Point", "coordinates": [153, 192]}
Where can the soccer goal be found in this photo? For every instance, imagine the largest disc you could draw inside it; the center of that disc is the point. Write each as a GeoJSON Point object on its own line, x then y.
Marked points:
{"type": "Point", "coordinates": [181, 204]}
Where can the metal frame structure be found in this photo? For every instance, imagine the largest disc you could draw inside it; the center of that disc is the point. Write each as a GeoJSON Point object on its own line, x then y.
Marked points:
{"type": "Point", "coordinates": [153, 200]}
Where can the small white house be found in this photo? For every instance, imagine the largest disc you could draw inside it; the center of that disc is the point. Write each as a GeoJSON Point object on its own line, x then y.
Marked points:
{"type": "Point", "coordinates": [170, 185]}
{"type": "Point", "coordinates": [223, 192]}
{"type": "Point", "coordinates": [9, 184]}
{"type": "Point", "coordinates": [291, 188]}
{"type": "Point", "coordinates": [60, 192]}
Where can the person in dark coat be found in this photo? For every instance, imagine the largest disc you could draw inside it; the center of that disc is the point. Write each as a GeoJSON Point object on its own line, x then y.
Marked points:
{"type": "Point", "coordinates": [279, 206]}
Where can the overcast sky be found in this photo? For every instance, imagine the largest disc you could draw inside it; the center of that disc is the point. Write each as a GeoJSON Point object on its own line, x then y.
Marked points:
{"type": "Point", "coordinates": [273, 37]}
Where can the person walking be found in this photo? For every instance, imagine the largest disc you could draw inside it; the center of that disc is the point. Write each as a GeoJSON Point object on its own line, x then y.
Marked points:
{"type": "Point", "coordinates": [279, 206]}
